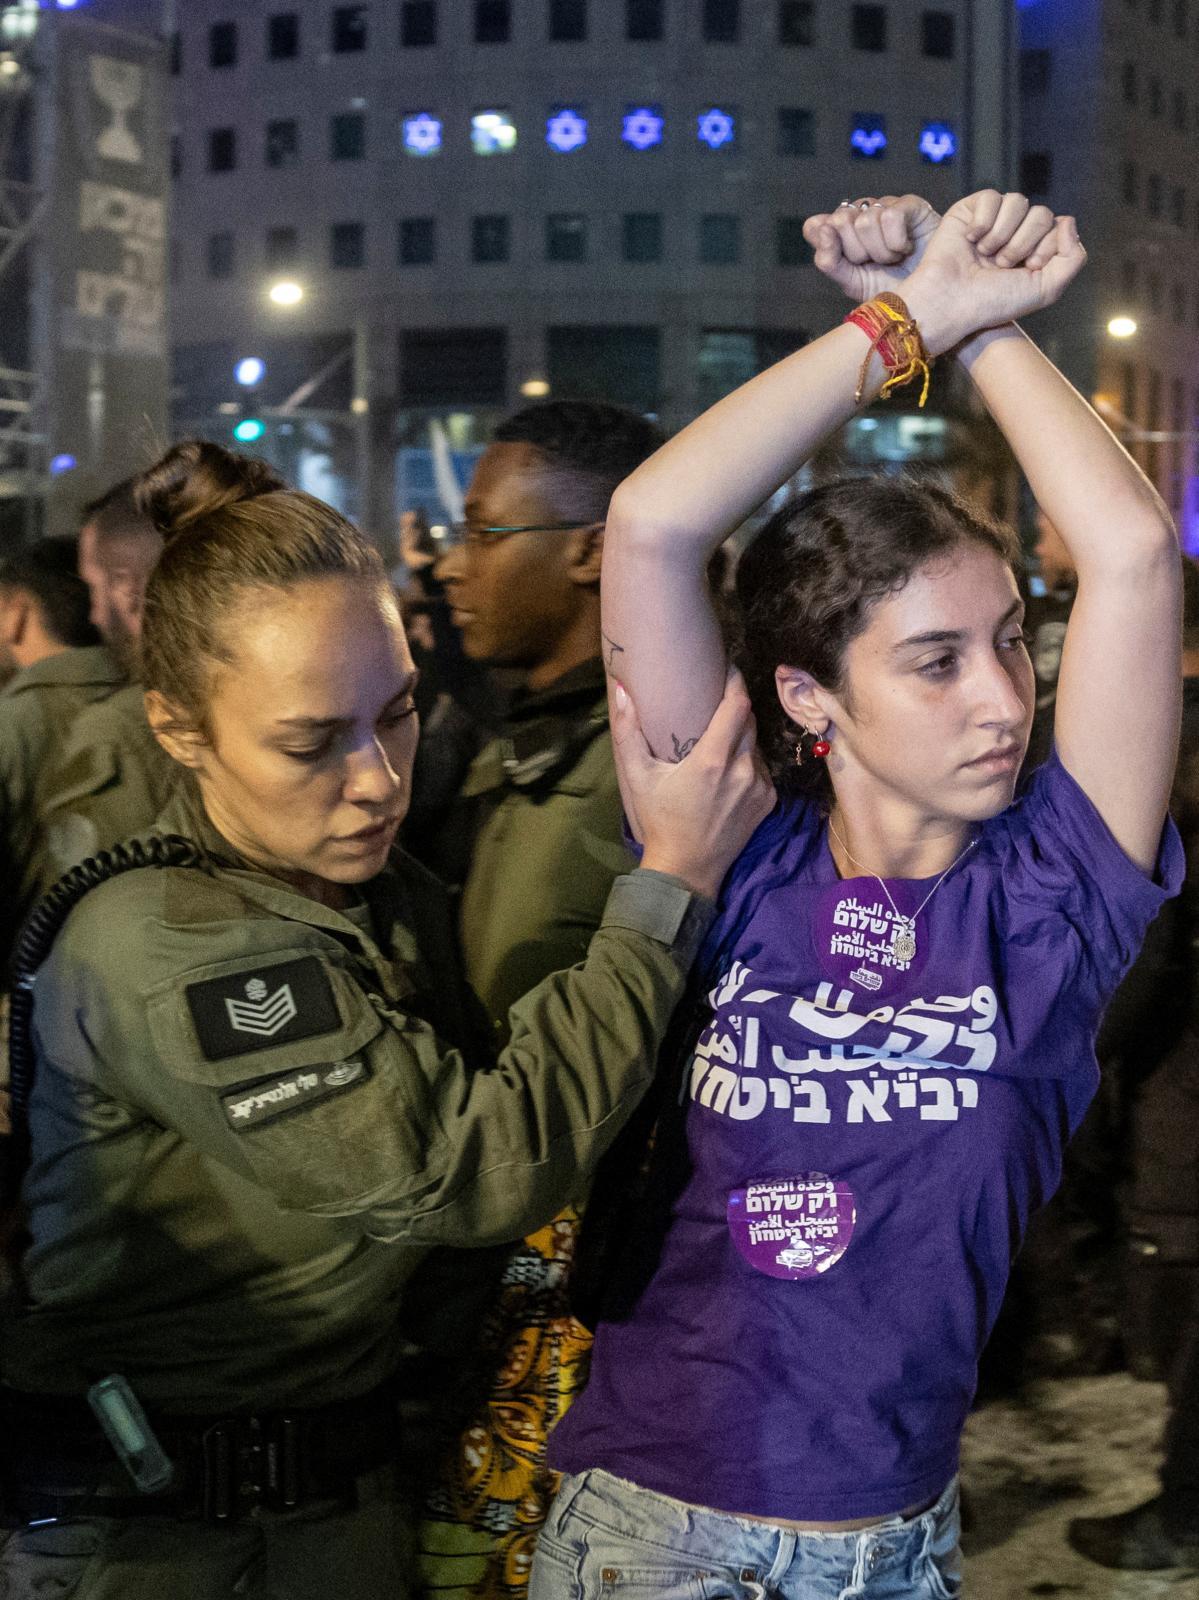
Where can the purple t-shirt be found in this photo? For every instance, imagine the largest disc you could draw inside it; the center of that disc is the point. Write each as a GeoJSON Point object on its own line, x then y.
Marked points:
{"type": "Point", "coordinates": [865, 1139]}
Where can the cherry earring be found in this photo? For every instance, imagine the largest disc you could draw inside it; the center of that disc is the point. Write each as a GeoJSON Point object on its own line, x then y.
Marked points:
{"type": "Point", "coordinates": [821, 749]}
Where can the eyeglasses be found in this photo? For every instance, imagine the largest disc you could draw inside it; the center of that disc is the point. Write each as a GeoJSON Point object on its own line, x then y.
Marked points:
{"type": "Point", "coordinates": [477, 538]}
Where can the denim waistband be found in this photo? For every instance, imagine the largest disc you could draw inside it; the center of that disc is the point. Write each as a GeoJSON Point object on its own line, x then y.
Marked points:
{"type": "Point", "coordinates": [618, 1508]}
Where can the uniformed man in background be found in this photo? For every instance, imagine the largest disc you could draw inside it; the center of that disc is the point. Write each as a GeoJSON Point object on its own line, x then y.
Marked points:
{"type": "Point", "coordinates": [539, 828]}
{"type": "Point", "coordinates": [55, 666]}
{"type": "Point", "coordinates": [111, 777]}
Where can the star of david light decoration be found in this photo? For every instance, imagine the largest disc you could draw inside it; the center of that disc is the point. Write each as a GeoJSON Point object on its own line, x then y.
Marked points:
{"type": "Point", "coordinates": [717, 128]}
{"type": "Point", "coordinates": [868, 140]}
{"type": "Point", "coordinates": [938, 142]}
{"type": "Point", "coordinates": [642, 127]}
{"type": "Point", "coordinates": [422, 134]}
{"type": "Point", "coordinates": [566, 130]}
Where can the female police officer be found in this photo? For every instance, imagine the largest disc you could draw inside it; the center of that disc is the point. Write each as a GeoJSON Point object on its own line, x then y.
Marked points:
{"type": "Point", "coordinates": [245, 1125]}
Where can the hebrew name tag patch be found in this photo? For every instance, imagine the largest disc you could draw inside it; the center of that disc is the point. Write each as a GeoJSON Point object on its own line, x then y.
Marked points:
{"type": "Point", "coordinates": [261, 1007]}
{"type": "Point", "coordinates": [259, 1102]}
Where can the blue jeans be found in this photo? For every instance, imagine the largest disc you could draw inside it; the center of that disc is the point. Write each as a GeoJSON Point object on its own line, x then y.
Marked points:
{"type": "Point", "coordinates": [606, 1539]}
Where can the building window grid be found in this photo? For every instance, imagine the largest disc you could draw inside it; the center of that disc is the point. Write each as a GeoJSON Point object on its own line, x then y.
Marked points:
{"type": "Point", "coordinates": [493, 21]}
{"type": "Point", "coordinates": [281, 249]}
{"type": "Point", "coordinates": [720, 239]}
{"type": "Point", "coordinates": [1036, 172]}
{"type": "Point", "coordinates": [222, 149]}
{"type": "Point", "coordinates": [490, 239]}
{"type": "Point", "coordinates": [1036, 72]}
{"type": "Point", "coordinates": [795, 131]}
{"type": "Point", "coordinates": [222, 45]}
{"type": "Point", "coordinates": [797, 23]}
{"type": "Point", "coordinates": [283, 36]}
{"type": "Point", "coordinates": [566, 236]}
{"type": "Point", "coordinates": [644, 22]}
{"type": "Point", "coordinates": [938, 35]}
{"type": "Point", "coordinates": [282, 145]}
{"type": "Point", "coordinates": [348, 30]}
{"type": "Point", "coordinates": [220, 255]}
{"type": "Point", "coordinates": [417, 241]}
{"type": "Point", "coordinates": [641, 237]}
{"type": "Point", "coordinates": [418, 23]}
{"type": "Point", "coordinates": [791, 249]}
{"type": "Point", "coordinates": [347, 246]}
{"type": "Point", "coordinates": [347, 136]}
{"type": "Point", "coordinates": [868, 27]}
{"type": "Point", "coordinates": [1128, 83]}
{"type": "Point", "coordinates": [721, 21]}
{"type": "Point", "coordinates": [1179, 117]}
{"type": "Point", "coordinates": [567, 21]}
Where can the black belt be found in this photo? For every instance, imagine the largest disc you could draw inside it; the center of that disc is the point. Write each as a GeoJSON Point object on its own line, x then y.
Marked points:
{"type": "Point", "coordinates": [56, 1463]}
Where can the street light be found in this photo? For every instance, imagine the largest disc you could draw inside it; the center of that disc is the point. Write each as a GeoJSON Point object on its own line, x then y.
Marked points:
{"type": "Point", "coordinates": [1122, 327]}
{"type": "Point", "coordinates": [286, 293]}
{"type": "Point", "coordinates": [250, 371]}
{"type": "Point", "coordinates": [535, 388]}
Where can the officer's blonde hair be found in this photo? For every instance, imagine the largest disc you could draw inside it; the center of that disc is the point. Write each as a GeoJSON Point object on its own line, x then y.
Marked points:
{"type": "Point", "coordinates": [231, 526]}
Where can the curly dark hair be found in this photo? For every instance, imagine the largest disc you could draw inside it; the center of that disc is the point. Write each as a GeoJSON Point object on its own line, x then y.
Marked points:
{"type": "Point", "coordinates": [806, 586]}
{"type": "Point", "coordinates": [598, 443]}
{"type": "Point", "coordinates": [47, 572]}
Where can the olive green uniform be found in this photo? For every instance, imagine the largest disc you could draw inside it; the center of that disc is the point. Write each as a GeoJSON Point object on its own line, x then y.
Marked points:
{"type": "Point", "coordinates": [545, 849]}
{"type": "Point", "coordinates": [246, 1133]}
{"type": "Point", "coordinates": [37, 708]}
{"type": "Point", "coordinates": [109, 782]}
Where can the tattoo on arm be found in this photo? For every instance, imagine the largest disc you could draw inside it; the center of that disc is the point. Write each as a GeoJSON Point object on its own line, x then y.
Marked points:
{"type": "Point", "coordinates": [682, 747]}
{"type": "Point", "coordinates": [611, 651]}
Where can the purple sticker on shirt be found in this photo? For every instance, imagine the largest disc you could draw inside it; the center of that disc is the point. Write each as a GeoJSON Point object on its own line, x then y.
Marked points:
{"type": "Point", "coordinates": [793, 1227]}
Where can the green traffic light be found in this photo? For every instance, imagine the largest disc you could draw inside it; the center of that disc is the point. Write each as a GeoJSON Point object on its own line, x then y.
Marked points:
{"type": "Point", "coordinates": [248, 430]}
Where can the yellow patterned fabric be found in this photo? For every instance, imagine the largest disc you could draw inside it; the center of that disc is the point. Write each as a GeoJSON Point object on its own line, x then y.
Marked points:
{"type": "Point", "coordinates": [493, 1489]}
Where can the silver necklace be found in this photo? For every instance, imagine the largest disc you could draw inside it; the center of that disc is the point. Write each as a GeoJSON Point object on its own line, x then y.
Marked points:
{"type": "Point", "coordinates": [903, 937]}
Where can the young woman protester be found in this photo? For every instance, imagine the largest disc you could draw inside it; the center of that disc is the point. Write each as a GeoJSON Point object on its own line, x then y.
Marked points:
{"type": "Point", "coordinates": [901, 990]}
{"type": "Point", "coordinates": [248, 1116]}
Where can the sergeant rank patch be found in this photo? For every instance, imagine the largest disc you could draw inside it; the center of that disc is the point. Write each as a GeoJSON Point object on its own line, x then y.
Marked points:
{"type": "Point", "coordinates": [260, 1008]}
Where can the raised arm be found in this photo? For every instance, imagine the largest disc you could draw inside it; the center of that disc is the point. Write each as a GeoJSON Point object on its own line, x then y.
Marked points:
{"type": "Point", "coordinates": [1121, 661]}
{"type": "Point", "coordinates": [661, 638]}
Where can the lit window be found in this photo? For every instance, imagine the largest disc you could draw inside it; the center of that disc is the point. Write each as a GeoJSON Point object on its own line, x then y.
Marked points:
{"type": "Point", "coordinates": [717, 128]}
{"type": "Point", "coordinates": [492, 133]}
{"type": "Point", "coordinates": [566, 129]}
{"type": "Point", "coordinates": [642, 127]}
{"type": "Point", "coordinates": [938, 142]}
{"type": "Point", "coordinates": [422, 134]}
{"type": "Point", "coordinates": [868, 137]}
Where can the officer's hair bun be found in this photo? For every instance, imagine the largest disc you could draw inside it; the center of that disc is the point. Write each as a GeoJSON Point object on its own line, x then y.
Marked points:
{"type": "Point", "coordinates": [194, 480]}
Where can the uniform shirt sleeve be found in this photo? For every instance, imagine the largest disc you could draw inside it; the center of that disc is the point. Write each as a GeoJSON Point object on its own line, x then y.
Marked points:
{"type": "Point", "coordinates": [1065, 863]}
{"type": "Point", "coordinates": [270, 1057]}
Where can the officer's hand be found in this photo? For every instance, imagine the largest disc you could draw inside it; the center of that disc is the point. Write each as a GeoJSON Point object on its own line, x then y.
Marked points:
{"type": "Point", "coordinates": [694, 816]}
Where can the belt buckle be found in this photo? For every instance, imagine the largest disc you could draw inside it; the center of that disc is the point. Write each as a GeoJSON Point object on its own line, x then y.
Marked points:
{"type": "Point", "coordinates": [235, 1468]}
{"type": "Point", "coordinates": [284, 1487]}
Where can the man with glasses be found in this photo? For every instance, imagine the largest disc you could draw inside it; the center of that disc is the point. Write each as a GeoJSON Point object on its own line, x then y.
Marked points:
{"type": "Point", "coordinates": [542, 811]}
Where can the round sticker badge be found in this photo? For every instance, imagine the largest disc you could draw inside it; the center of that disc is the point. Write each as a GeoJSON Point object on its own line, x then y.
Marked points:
{"type": "Point", "coordinates": [793, 1227]}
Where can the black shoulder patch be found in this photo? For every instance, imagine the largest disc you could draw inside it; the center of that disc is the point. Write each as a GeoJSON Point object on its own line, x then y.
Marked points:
{"type": "Point", "coordinates": [259, 1008]}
